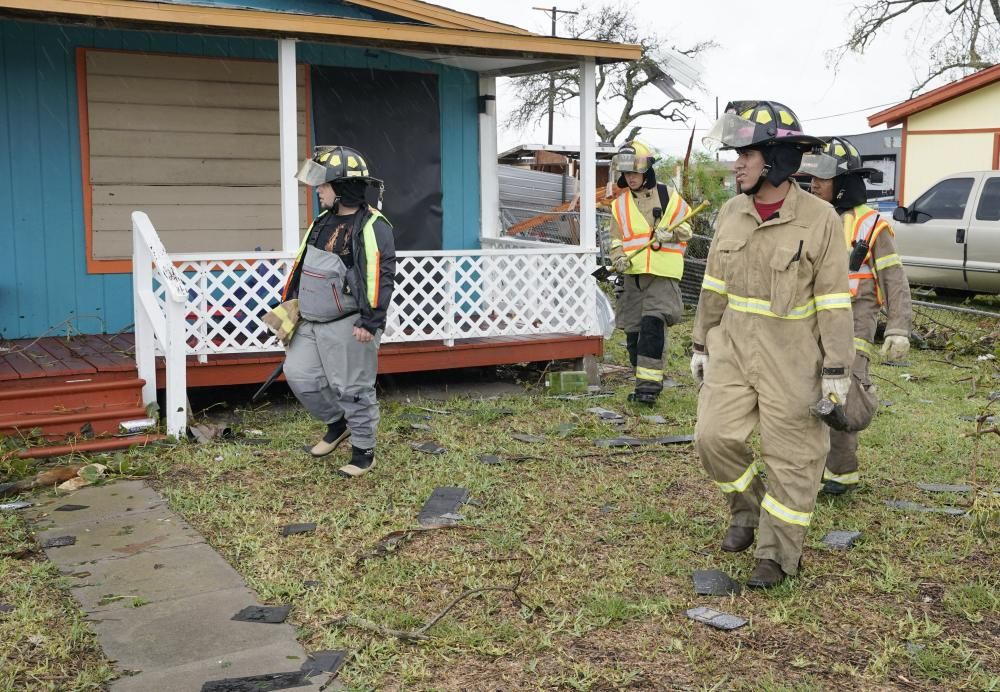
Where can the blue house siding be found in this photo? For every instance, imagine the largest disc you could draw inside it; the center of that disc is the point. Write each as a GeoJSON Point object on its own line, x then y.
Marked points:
{"type": "Point", "coordinates": [44, 284]}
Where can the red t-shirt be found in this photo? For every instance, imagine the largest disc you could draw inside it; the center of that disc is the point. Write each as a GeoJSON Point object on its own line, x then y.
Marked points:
{"type": "Point", "coordinates": [766, 211]}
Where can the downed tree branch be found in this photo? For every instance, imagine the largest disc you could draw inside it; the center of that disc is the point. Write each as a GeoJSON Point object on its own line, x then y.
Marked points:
{"type": "Point", "coordinates": [420, 634]}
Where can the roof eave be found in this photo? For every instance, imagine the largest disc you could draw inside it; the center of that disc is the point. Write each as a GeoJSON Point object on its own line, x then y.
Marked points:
{"type": "Point", "coordinates": [322, 29]}
{"type": "Point", "coordinates": [900, 112]}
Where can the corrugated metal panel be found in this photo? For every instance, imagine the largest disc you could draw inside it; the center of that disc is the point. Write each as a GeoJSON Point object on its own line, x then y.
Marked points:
{"type": "Point", "coordinates": [43, 276]}
{"type": "Point", "coordinates": [535, 189]}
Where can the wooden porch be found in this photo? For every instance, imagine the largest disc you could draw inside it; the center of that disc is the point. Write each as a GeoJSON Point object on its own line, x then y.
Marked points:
{"type": "Point", "coordinates": [48, 361]}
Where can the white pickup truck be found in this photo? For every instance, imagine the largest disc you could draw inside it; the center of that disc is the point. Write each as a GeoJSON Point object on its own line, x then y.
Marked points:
{"type": "Point", "coordinates": [949, 238]}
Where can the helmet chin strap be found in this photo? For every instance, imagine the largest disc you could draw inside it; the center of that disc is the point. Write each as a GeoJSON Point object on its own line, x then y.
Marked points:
{"type": "Point", "coordinates": [760, 181]}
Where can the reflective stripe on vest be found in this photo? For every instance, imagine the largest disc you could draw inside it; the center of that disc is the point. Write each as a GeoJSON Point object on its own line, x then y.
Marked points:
{"type": "Point", "coordinates": [857, 228]}
{"type": "Point", "coordinates": [373, 257]}
{"type": "Point", "coordinates": [636, 232]}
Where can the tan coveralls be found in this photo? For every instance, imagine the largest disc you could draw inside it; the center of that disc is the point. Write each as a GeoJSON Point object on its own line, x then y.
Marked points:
{"type": "Point", "coordinates": [842, 462]}
{"type": "Point", "coordinates": [649, 303]}
{"type": "Point", "coordinates": [774, 316]}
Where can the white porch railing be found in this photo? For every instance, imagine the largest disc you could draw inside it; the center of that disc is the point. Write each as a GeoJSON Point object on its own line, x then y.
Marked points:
{"type": "Point", "coordinates": [208, 303]}
{"type": "Point", "coordinates": [159, 321]}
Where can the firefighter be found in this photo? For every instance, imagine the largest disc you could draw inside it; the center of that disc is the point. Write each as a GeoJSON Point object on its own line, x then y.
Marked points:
{"type": "Point", "coordinates": [772, 334]}
{"type": "Point", "coordinates": [651, 299]}
{"type": "Point", "coordinates": [876, 280]}
{"type": "Point", "coordinates": [343, 278]}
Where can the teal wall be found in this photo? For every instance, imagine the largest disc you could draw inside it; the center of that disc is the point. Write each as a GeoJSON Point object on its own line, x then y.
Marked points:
{"type": "Point", "coordinates": [43, 268]}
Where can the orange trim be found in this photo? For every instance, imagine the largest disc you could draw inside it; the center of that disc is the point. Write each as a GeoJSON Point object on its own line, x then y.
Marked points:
{"type": "Point", "coordinates": [969, 131]}
{"type": "Point", "coordinates": [996, 151]}
{"type": "Point", "coordinates": [124, 266]}
{"type": "Point", "coordinates": [677, 212]}
{"type": "Point", "coordinates": [902, 162]}
{"type": "Point", "coordinates": [627, 216]}
{"type": "Point", "coordinates": [898, 113]}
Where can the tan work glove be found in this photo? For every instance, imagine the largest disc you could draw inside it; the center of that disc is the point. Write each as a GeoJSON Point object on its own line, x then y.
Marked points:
{"type": "Point", "coordinates": [663, 235]}
{"type": "Point", "coordinates": [699, 366]}
{"type": "Point", "coordinates": [895, 348]}
{"type": "Point", "coordinates": [838, 386]}
{"type": "Point", "coordinates": [621, 264]}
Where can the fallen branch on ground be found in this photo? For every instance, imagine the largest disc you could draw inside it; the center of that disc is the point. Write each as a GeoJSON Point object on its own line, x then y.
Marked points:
{"type": "Point", "coordinates": [420, 634]}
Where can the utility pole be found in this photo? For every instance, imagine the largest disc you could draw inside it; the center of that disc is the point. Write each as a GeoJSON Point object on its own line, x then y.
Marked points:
{"type": "Point", "coordinates": [555, 12]}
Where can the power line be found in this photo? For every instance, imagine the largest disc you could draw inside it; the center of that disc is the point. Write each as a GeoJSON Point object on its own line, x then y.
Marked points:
{"type": "Point", "coordinates": [821, 117]}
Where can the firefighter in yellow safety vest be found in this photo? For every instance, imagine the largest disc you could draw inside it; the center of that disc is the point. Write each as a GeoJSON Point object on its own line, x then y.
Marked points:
{"type": "Point", "coordinates": [877, 281]}
{"type": "Point", "coordinates": [772, 334]}
{"type": "Point", "coordinates": [651, 299]}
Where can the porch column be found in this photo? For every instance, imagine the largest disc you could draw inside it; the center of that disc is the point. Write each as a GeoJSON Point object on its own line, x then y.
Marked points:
{"type": "Point", "coordinates": [489, 184]}
{"type": "Point", "coordinates": [588, 154]}
{"type": "Point", "coordinates": [288, 143]}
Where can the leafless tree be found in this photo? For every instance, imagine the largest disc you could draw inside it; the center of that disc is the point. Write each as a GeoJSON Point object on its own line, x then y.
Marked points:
{"type": "Point", "coordinates": [618, 84]}
{"type": "Point", "coordinates": [960, 36]}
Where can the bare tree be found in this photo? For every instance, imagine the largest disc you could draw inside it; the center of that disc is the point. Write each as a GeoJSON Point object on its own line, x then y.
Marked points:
{"type": "Point", "coordinates": [959, 36]}
{"type": "Point", "coordinates": [618, 84]}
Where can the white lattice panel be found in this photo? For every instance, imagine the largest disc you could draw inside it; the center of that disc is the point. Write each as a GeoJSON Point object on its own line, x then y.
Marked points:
{"type": "Point", "coordinates": [438, 296]}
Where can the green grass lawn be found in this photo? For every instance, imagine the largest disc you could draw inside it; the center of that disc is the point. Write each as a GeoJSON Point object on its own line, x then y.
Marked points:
{"type": "Point", "coordinates": [604, 544]}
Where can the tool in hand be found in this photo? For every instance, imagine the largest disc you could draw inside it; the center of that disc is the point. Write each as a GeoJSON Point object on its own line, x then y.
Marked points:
{"type": "Point", "coordinates": [602, 273]}
{"type": "Point", "coordinates": [830, 411]}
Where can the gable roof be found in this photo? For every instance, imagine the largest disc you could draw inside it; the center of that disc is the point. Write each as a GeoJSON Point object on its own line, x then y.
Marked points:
{"type": "Point", "coordinates": [435, 15]}
{"type": "Point", "coordinates": [545, 52]}
{"type": "Point", "coordinates": [898, 113]}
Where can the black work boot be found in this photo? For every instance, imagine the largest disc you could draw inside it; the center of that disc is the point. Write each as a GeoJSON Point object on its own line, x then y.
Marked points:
{"type": "Point", "coordinates": [738, 539]}
{"type": "Point", "coordinates": [336, 433]}
{"type": "Point", "coordinates": [643, 397]}
{"type": "Point", "coordinates": [362, 461]}
{"type": "Point", "coordinates": [766, 574]}
{"type": "Point", "coordinates": [836, 488]}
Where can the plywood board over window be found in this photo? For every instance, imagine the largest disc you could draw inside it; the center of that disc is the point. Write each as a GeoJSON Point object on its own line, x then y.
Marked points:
{"type": "Point", "coordinates": [191, 141]}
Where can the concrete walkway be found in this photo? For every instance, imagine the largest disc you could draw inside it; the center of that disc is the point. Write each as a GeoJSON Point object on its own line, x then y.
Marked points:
{"type": "Point", "coordinates": [158, 596]}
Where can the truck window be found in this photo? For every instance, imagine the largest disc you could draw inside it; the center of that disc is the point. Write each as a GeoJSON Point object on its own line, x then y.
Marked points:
{"type": "Point", "coordinates": [946, 200]}
{"type": "Point", "coordinates": [989, 202]}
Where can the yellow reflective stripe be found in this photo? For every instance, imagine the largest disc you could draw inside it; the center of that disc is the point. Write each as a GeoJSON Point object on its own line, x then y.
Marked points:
{"type": "Point", "coordinates": [887, 261]}
{"type": "Point", "coordinates": [852, 478]}
{"type": "Point", "coordinates": [710, 283]}
{"type": "Point", "coordinates": [866, 347]}
{"type": "Point", "coordinates": [616, 243]}
{"type": "Point", "coordinates": [833, 301]}
{"type": "Point", "coordinates": [755, 306]}
{"type": "Point", "coordinates": [786, 514]}
{"type": "Point", "coordinates": [741, 483]}
{"type": "Point", "coordinates": [650, 374]}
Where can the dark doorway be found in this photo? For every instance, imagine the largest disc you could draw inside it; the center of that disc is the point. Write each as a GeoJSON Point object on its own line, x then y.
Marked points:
{"type": "Point", "coordinates": [393, 118]}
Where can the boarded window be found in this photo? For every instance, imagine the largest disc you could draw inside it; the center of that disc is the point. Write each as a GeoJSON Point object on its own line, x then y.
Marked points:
{"type": "Point", "coordinates": [193, 142]}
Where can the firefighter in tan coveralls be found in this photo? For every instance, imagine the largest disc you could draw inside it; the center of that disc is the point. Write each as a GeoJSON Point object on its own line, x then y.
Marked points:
{"type": "Point", "coordinates": [651, 300]}
{"type": "Point", "coordinates": [877, 280]}
{"type": "Point", "coordinates": [772, 334]}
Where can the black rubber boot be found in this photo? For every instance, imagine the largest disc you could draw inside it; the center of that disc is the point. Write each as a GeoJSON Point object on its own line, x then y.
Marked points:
{"type": "Point", "coordinates": [336, 433]}
{"type": "Point", "coordinates": [362, 461]}
{"type": "Point", "coordinates": [766, 574]}
{"type": "Point", "coordinates": [836, 488]}
{"type": "Point", "coordinates": [643, 397]}
{"type": "Point", "coordinates": [738, 539]}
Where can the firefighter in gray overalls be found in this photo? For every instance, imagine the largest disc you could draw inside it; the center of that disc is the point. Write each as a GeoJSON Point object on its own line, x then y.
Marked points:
{"type": "Point", "coordinates": [343, 277]}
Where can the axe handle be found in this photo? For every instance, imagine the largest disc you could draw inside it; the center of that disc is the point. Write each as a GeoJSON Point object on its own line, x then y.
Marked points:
{"type": "Point", "coordinates": [697, 210]}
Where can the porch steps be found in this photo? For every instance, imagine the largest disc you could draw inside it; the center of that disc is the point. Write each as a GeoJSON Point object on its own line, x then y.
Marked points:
{"type": "Point", "coordinates": [61, 410]}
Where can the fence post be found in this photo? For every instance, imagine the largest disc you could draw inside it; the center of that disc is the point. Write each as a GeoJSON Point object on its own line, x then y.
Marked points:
{"type": "Point", "coordinates": [142, 281]}
{"type": "Point", "coordinates": [176, 370]}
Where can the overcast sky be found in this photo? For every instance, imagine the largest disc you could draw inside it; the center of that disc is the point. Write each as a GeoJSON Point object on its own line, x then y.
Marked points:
{"type": "Point", "coordinates": [766, 50]}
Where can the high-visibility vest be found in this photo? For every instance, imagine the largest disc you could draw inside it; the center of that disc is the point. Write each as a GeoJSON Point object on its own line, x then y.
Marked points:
{"type": "Point", "coordinates": [863, 225]}
{"type": "Point", "coordinates": [668, 261]}
{"type": "Point", "coordinates": [373, 257]}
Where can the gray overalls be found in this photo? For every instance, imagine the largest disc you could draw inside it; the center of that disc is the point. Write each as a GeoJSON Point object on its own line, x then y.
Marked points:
{"type": "Point", "coordinates": [330, 372]}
